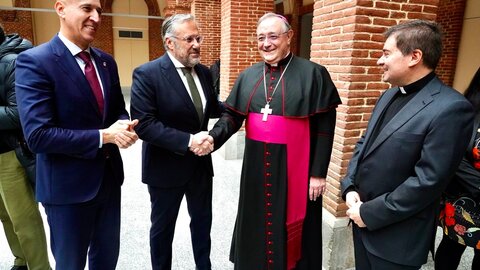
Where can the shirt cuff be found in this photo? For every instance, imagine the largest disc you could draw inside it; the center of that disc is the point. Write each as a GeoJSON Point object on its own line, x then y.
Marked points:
{"type": "Point", "coordinates": [101, 139]}
{"type": "Point", "coordinates": [190, 141]}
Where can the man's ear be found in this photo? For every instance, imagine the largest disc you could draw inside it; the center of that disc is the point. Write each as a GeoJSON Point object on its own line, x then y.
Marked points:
{"type": "Point", "coordinates": [60, 9]}
{"type": "Point", "coordinates": [416, 57]}
{"type": "Point", "coordinates": [169, 43]}
{"type": "Point", "coordinates": [289, 35]}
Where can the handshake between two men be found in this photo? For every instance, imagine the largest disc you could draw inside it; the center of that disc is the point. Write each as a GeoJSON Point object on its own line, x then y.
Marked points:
{"type": "Point", "coordinates": [202, 144]}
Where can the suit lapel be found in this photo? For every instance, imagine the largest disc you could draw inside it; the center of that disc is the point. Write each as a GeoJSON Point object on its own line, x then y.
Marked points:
{"type": "Point", "coordinates": [68, 64]}
{"type": "Point", "coordinates": [171, 73]}
{"type": "Point", "coordinates": [379, 108]}
{"type": "Point", "coordinates": [418, 103]}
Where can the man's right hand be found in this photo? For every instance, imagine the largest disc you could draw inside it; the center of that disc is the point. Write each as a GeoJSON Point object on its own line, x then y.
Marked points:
{"type": "Point", "coordinates": [120, 131]}
{"type": "Point", "coordinates": [202, 144]}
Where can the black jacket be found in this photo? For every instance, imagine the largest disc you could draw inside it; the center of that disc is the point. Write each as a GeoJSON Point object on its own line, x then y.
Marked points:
{"type": "Point", "coordinates": [11, 137]}
{"type": "Point", "coordinates": [466, 181]}
{"type": "Point", "coordinates": [9, 120]}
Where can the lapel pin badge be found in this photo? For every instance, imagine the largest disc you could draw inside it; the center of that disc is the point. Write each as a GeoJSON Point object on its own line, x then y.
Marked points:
{"type": "Point", "coordinates": [104, 64]}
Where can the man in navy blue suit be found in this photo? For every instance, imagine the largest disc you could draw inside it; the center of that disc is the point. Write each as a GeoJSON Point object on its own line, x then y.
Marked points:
{"type": "Point", "coordinates": [173, 98]}
{"type": "Point", "coordinates": [73, 115]}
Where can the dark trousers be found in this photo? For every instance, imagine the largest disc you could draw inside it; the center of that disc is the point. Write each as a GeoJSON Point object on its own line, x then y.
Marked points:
{"type": "Point", "coordinates": [165, 205]}
{"type": "Point", "coordinates": [365, 260]}
{"type": "Point", "coordinates": [92, 227]}
{"type": "Point", "coordinates": [449, 253]}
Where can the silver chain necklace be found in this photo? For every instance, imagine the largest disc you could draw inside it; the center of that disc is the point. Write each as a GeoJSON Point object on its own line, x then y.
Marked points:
{"type": "Point", "coordinates": [266, 110]}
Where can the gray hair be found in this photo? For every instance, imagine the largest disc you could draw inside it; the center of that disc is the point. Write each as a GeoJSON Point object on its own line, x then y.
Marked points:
{"type": "Point", "coordinates": [170, 24]}
{"type": "Point", "coordinates": [286, 25]}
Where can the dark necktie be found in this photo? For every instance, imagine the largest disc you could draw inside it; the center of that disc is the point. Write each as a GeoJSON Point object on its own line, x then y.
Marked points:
{"type": "Point", "coordinates": [92, 78]}
{"type": "Point", "coordinates": [197, 101]}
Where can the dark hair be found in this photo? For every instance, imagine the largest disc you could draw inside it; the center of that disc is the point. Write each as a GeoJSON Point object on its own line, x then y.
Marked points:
{"type": "Point", "coordinates": [423, 35]}
{"type": "Point", "coordinates": [2, 34]}
{"type": "Point", "coordinates": [473, 91]}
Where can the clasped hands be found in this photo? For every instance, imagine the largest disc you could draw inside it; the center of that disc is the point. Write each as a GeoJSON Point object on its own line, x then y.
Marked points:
{"type": "Point", "coordinates": [353, 203]}
{"type": "Point", "coordinates": [202, 144]}
{"type": "Point", "coordinates": [121, 133]}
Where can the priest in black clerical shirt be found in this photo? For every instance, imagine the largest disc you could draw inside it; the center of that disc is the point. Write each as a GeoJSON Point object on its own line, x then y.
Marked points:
{"type": "Point", "coordinates": [410, 150]}
{"type": "Point", "coordinates": [288, 104]}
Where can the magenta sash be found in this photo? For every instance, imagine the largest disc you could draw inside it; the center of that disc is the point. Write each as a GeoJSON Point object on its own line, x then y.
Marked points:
{"type": "Point", "coordinates": [295, 133]}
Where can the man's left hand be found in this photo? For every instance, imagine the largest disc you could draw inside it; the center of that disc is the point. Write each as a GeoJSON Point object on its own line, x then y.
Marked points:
{"type": "Point", "coordinates": [318, 185]}
{"type": "Point", "coordinates": [354, 214]}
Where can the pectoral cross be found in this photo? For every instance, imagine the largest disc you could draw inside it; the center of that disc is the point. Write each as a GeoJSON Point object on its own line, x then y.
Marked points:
{"type": "Point", "coordinates": [266, 111]}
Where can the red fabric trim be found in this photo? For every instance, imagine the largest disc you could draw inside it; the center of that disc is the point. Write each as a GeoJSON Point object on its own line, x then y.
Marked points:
{"type": "Point", "coordinates": [295, 133]}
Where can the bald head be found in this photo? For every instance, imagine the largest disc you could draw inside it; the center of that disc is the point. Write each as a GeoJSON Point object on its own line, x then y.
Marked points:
{"type": "Point", "coordinates": [79, 20]}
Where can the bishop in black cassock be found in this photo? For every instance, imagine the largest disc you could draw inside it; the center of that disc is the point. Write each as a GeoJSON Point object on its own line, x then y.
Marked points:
{"type": "Point", "coordinates": [289, 109]}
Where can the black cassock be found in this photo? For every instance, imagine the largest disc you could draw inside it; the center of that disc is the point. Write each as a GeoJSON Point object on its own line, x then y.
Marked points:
{"type": "Point", "coordinates": [306, 92]}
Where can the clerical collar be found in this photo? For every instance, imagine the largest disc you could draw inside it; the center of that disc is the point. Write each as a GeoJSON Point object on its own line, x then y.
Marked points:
{"type": "Point", "coordinates": [282, 62]}
{"type": "Point", "coordinates": [418, 85]}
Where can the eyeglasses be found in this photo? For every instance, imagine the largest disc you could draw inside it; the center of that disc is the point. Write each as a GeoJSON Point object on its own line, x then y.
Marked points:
{"type": "Point", "coordinates": [271, 37]}
{"type": "Point", "coordinates": [190, 39]}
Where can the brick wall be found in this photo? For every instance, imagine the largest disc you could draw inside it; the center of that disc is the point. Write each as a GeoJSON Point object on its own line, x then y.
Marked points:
{"type": "Point", "coordinates": [18, 21]}
{"type": "Point", "coordinates": [238, 38]}
{"type": "Point", "coordinates": [104, 37]}
{"type": "Point", "coordinates": [207, 14]}
{"type": "Point", "coordinates": [155, 42]}
{"type": "Point", "coordinates": [177, 7]}
{"type": "Point", "coordinates": [450, 17]}
{"type": "Point", "coordinates": [347, 39]}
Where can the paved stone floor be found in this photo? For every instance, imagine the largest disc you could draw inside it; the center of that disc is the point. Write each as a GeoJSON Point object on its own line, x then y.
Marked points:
{"type": "Point", "coordinates": [134, 249]}
{"type": "Point", "coordinates": [134, 252]}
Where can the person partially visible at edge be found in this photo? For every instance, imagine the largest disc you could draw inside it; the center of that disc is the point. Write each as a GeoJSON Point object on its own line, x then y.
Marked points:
{"type": "Point", "coordinates": [19, 211]}
{"type": "Point", "coordinates": [215, 71]}
{"type": "Point", "coordinates": [464, 187]}
{"type": "Point", "coordinates": [173, 97]}
{"type": "Point", "coordinates": [74, 118]}
{"type": "Point", "coordinates": [407, 155]}
{"type": "Point", "coordinates": [288, 104]}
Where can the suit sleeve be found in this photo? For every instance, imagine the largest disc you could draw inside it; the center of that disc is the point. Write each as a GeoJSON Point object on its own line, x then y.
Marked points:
{"type": "Point", "coordinates": [348, 183]}
{"type": "Point", "coordinates": [36, 105]}
{"type": "Point", "coordinates": [230, 122]}
{"type": "Point", "coordinates": [144, 108]}
{"type": "Point", "coordinates": [441, 153]}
